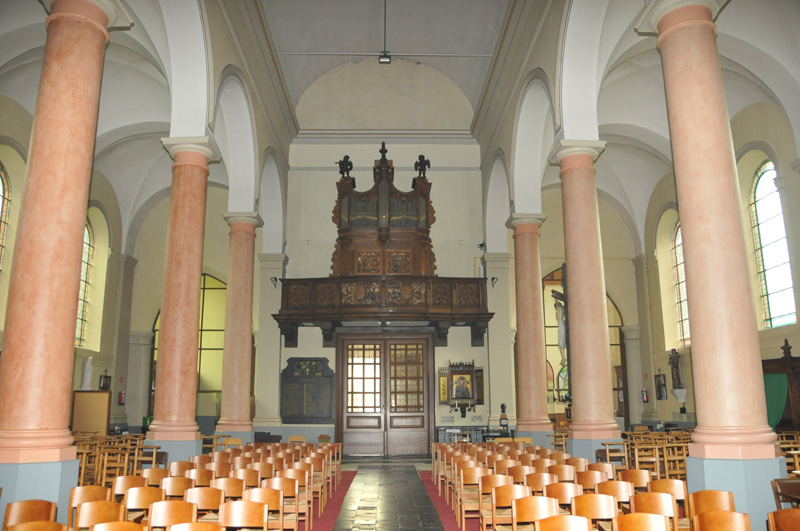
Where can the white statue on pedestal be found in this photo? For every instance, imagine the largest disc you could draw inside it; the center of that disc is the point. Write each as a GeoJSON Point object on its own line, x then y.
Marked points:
{"type": "Point", "coordinates": [88, 369]}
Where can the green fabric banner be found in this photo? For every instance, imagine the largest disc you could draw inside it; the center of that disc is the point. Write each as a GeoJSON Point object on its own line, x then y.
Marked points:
{"type": "Point", "coordinates": [776, 388]}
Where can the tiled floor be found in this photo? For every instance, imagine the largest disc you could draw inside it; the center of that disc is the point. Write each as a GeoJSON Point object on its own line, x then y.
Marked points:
{"type": "Point", "coordinates": [387, 494]}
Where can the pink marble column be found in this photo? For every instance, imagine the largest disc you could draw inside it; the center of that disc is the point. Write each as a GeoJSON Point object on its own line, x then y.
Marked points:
{"type": "Point", "coordinates": [238, 346]}
{"type": "Point", "coordinates": [37, 361]}
{"type": "Point", "coordinates": [590, 358]}
{"type": "Point", "coordinates": [176, 376]}
{"type": "Point", "coordinates": [531, 358]}
{"type": "Point", "coordinates": [726, 359]}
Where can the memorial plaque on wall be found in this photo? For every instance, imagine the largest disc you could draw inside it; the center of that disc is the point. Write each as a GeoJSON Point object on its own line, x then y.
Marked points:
{"type": "Point", "coordinates": [307, 387]}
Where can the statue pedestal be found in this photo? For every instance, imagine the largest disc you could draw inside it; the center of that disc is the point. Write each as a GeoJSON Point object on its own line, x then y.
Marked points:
{"type": "Point", "coordinates": [680, 395]}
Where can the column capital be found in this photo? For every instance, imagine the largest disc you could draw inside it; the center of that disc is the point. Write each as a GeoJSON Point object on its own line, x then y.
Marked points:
{"type": "Point", "coordinates": [118, 16]}
{"type": "Point", "coordinates": [647, 23]}
{"type": "Point", "coordinates": [632, 332]}
{"type": "Point", "coordinates": [243, 217]}
{"type": "Point", "coordinates": [273, 260]}
{"type": "Point", "coordinates": [200, 144]}
{"type": "Point", "coordinates": [565, 148]}
{"type": "Point", "coordinates": [498, 258]}
{"type": "Point", "coordinates": [519, 219]}
{"type": "Point", "coordinates": [796, 166]}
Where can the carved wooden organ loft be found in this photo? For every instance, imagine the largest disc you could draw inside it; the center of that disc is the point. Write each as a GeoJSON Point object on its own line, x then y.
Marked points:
{"type": "Point", "coordinates": [383, 267]}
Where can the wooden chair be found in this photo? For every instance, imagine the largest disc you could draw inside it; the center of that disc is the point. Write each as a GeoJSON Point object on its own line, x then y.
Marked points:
{"type": "Point", "coordinates": [661, 503]}
{"type": "Point", "coordinates": [38, 525]}
{"type": "Point", "coordinates": [785, 486]}
{"type": "Point", "coordinates": [265, 470]}
{"type": "Point", "coordinates": [293, 503]}
{"type": "Point", "coordinates": [297, 439]}
{"type": "Point", "coordinates": [202, 477]}
{"type": "Point", "coordinates": [318, 477]}
{"type": "Point", "coordinates": [639, 478]}
{"type": "Point", "coordinates": [240, 461]}
{"type": "Point", "coordinates": [241, 514]}
{"type": "Point", "coordinates": [502, 466]}
{"type": "Point", "coordinates": [277, 463]}
{"type": "Point", "coordinates": [85, 493]}
{"type": "Point", "coordinates": [250, 477]}
{"type": "Point", "coordinates": [170, 512]}
{"type": "Point", "coordinates": [119, 526]}
{"type": "Point", "coordinates": [154, 476]}
{"type": "Point", "coordinates": [207, 499]}
{"type": "Point", "coordinates": [564, 473]}
{"type": "Point", "coordinates": [720, 520]}
{"type": "Point", "coordinates": [580, 464]}
{"type": "Point", "coordinates": [222, 469]}
{"type": "Point", "coordinates": [304, 498]}
{"type": "Point", "coordinates": [123, 483]}
{"type": "Point", "coordinates": [179, 468]}
{"type": "Point", "coordinates": [273, 498]}
{"type": "Point", "coordinates": [519, 472]}
{"type": "Point", "coordinates": [485, 486]}
{"type": "Point", "coordinates": [639, 522]}
{"type": "Point", "coordinates": [137, 501]}
{"type": "Point", "coordinates": [709, 500]}
{"type": "Point", "coordinates": [458, 466]}
{"type": "Point", "coordinates": [615, 453]}
{"type": "Point", "coordinates": [674, 455]}
{"type": "Point", "coordinates": [200, 460]}
{"type": "Point", "coordinates": [175, 487]}
{"type": "Point", "coordinates": [233, 487]}
{"type": "Point", "coordinates": [220, 456]}
{"type": "Point", "coordinates": [560, 457]}
{"type": "Point", "coordinates": [648, 458]}
{"type": "Point", "coordinates": [596, 507]}
{"type": "Point", "coordinates": [537, 481]}
{"type": "Point", "coordinates": [468, 501]}
{"type": "Point", "coordinates": [563, 492]}
{"type": "Point", "coordinates": [542, 464]}
{"type": "Point", "coordinates": [529, 509]}
{"type": "Point", "coordinates": [621, 490]}
{"type": "Point", "coordinates": [98, 512]}
{"type": "Point", "coordinates": [589, 478]}
{"type": "Point", "coordinates": [195, 526]}
{"type": "Point", "coordinates": [22, 511]}
{"type": "Point", "coordinates": [502, 498]}
{"type": "Point", "coordinates": [608, 468]}
{"type": "Point", "coordinates": [676, 487]}
{"type": "Point", "coordinates": [114, 462]}
{"type": "Point", "coordinates": [564, 522]}
{"type": "Point", "coordinates": [784, 520]}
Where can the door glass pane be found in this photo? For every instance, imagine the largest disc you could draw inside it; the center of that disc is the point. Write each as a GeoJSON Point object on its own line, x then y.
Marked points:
{"type": "Point", "coordinates": [406, 387]}
{"type": "Point", "coordinates": [363, 384]}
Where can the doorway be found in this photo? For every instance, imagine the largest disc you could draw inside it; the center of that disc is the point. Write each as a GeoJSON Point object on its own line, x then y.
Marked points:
{"type": "Point", "coordinates": [384, 394]}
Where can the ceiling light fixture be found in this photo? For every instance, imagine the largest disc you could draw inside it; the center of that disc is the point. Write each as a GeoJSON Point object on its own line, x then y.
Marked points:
{"type": "Point", "coordinates": [384, 58]}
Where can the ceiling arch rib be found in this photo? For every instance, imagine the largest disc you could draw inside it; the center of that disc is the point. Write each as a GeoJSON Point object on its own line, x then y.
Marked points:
{"type": "Point", "coordinates": [534, 138]}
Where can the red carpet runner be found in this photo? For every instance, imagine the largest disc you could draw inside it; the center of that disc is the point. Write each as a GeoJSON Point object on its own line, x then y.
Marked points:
{"type": "Point", "coordinates": [334, 505]}
{"type": "Point", "coordinates": [446, 514]}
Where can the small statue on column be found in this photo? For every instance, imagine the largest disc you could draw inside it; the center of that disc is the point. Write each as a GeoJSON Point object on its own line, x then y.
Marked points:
{"type": "Point", "coordinates": [674, 361]}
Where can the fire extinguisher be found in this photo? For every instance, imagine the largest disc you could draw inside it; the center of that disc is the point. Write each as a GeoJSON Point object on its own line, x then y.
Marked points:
{"type": "Point", "coordinates": [644, 395]}
{"type": "Point", "coordinates": [122, 398]}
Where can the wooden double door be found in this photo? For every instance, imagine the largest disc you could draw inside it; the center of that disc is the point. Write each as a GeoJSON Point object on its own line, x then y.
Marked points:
{"type": "Point", "coordinates": [385, 394]}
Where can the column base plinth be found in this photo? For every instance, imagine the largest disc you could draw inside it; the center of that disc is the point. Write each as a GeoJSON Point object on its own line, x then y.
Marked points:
{"type": "Point", "coordinates": [173, 431]}
{"type": "Point", "coordinates": [23, 481]}
{"type": "Point", "coordinates": [748, 479]}
{"type": "Point", "coordinates": [534, 424]}
{"type": "Point", "coordinates": [177, 450]}
{"type": "Point", "coordinates": [36, 446]}
{"type": "Point", "coordinates": [228, 425]}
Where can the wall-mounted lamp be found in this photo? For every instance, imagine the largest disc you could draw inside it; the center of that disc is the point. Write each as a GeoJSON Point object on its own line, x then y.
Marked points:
{"type": "Point", "coordinates": [274, 281]}
{"type": "Point", "coordinates": [482, 246]}
{"type": "Point", "coordinates": [494, 281]}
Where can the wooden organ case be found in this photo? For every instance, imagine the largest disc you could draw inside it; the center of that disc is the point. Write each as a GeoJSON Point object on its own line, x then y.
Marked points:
{"type": "Point", "coordinates": [383, 266]}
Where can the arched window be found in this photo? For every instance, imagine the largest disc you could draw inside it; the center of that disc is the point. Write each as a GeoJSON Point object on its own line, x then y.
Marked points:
{"type": "Point", "coordinates": [772, 251]}
{"type": "Point", "coordinates": [5, 206]}
{"type": "Point", "coordinates": [86, 271]}
{"type": "Point", "coordinates": [679, 274]}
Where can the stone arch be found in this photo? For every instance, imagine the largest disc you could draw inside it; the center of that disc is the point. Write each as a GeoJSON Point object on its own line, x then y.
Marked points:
{"type": "Point", "coordinates": [270, 206]}
{"type": "Point", "coordinates": [498, 207]}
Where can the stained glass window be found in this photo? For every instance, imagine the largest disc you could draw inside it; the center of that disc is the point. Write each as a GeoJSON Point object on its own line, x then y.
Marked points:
{"type": "Point", "coordinates": [5, 206]}
{"type": "Point", "coordinates": [86, 272]}
{"type": "Point", "coordinates": [679, 276]}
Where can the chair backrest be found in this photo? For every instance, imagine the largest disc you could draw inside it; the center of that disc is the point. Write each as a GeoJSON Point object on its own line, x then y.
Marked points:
{"type": "Point", "coordinates": [662, 503]}
{"type": "Point", "coordinates": [709, 500]}
{"type": "Point", "coordinates": [563, 492]}
{"type": "Point", "coordinates": [580, 463]}
{"type": "Point", "coordinates": [589, 478]}
{"type": "Point", "coordinates": [154, 475]}
{"type": "Point", "coordinates": [200, 460]}
{"type": "Point", "coordinates": [174, 487]}
{"type": "Point", "coordinates": [250, 477]}
{"type": "Point", "coordinates": [98, 512]}
{"type": "Point", "coordinates": [563, 472]}
{"type": "Point", "coordinates": [559, 457]}
{"type": "Point", "coordinates": [782, 486]}
{"type": "Point", "coordinates": [784, 520]}
{"type": "Point", "coordinates": [595, 506]}
{"type": "Point", "coordinates": [538, 480]}
{"type": "Point", "coordinates": [171, 512]}
{"type": "Point", "coordinates": [289, 486]}
{"type": "Point", "coordinates": [273, 499]}
{"type": "Point", "coordinates": [542, 464]}
{"type": "Point", "coordinates": [608, 468]}
{"type": "Point", "coordinates": [119, 526]}
{"type": "Point", "coordinates": [519, 472]}
{"type": "Point", "coordinates": [471, 476]}
{"type": "Point", "coordinates": [140, 498]}
{"type": "Point", "coordinates": [502, 497]}
{"type": "Point", "coordinates": [243, 513]}
{"type": "Point", "coordinates": [720, 520]}
{"type": "Point", "coordinates": [123, 483]}
{"type": "Point", "coordinates": [202, 477]}
{"type": "Point", "coordinates": [621, 490]}
{"type": "Point", "coordinates": [531, 508]}
{"type": "Point", "coordinates": [38, 525]}
{"type": "Point", "coordinates": [502, 466]}
{"type": "Point", "coordinates": [206, 498]}
{"type": "Point", "coordinates": [78, 495]}
{"type": "Point", "coordinates": [564, 522]}
{"type": "Point", "coordinates": [195, 526]}
{"type": "Point", "coordinates": [179, 468]}
{"type": "Point", "coordinates": [639, 478]}
{"type": "Point", "coordinates": [233, 487]}
{"type": "Point", "coordinates": [221, 456]}
{"type": "Point", "coordinates": [639, 522]}
{"type": "Point", "coordinates": [221, 468]}
{"type": "Point", "coordinates": [265, 470]}
{"type": "Point", "coordinates": [277, 462]}
{"type": "Point", "coordinates": [241, 461]}
{"type": "Point", "coordinates": [22, 511]}
{"type": "Point", "coordinates": [676, 487]}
